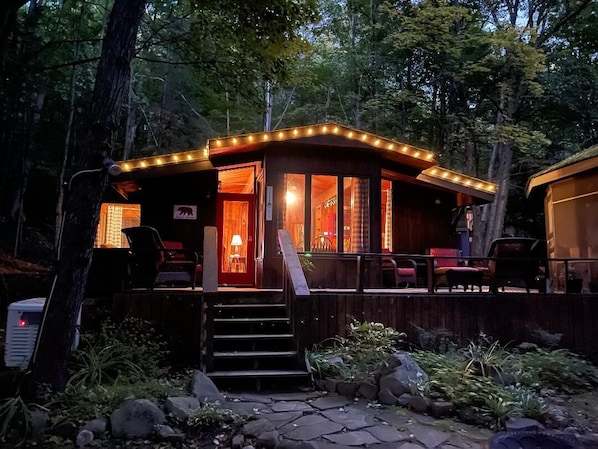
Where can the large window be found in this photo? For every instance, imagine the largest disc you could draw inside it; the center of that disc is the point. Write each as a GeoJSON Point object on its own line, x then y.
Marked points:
{"type": "Point", "coordinates": [324, 192]}
{"type": "Point", "coordinates": [321, 198]}
{"type": "Point", "coordinates": [113, 218]}
{"type": "Point", "coordinates": [294, 209]}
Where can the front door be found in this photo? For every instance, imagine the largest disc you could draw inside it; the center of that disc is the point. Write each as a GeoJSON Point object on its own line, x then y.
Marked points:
{"type": "Point", "coordinates": [236, 239]}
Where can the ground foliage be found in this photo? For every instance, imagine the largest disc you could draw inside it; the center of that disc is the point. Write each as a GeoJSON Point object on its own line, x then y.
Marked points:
{"type": "Point", "coordinates": [495, 381]}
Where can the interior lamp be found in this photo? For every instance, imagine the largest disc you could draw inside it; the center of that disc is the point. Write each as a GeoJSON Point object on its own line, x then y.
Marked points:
{"type": "Point", "coordinates": [236, 242]}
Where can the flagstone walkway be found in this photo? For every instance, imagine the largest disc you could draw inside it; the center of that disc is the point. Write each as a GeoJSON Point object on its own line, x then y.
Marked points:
{"type": "Point", "coordinates": [320, 420]}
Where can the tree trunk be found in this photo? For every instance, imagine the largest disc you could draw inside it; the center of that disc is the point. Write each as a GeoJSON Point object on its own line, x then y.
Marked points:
{"type": "Point", "coordinates": [57, 330]}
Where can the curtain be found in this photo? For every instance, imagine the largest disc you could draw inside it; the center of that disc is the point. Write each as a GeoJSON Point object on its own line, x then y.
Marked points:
{"type": "Point", "coordinates": [360, 216]}
{"type": "Point", "coordinates": [388, 222]}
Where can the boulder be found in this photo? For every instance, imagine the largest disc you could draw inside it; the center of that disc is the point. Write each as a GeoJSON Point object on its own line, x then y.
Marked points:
{"type": "Point", "coordinates": [96, 426]}
{"type": "Point", "coordinates": [84, 437]}
{"type": "Point", "coordinates": [39, 421]}
{"type": "Point", "coordinates": [403, 376]}
{"type": "Point", "coordinates": [440, 409]}
{"type": "Point", "coordinates": [136, 419]}
{"type": "Point", "coordinates": [368, 390]}
{"type": "Point", "coordinates": [347, 389]}
{"type": "Point", "coordinates": [181, 407]}
{"type": "Point", "coordinates": [205, 390]}
{"type": "Point", "coordinates": [386, 397]}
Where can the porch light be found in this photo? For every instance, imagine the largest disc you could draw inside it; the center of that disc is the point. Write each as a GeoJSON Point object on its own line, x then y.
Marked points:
{"type": "Point", "coordinates": [290, 197]}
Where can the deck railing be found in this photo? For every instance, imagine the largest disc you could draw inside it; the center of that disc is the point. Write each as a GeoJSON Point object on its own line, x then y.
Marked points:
{"type": "Point", "coordinates": [358, 271]}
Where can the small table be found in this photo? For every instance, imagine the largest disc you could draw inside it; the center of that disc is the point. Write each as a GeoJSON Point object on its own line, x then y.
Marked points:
{"type": "Point", "coordinates": [465, 276]}
{"type": "Point", "coordinates": [236, 264]}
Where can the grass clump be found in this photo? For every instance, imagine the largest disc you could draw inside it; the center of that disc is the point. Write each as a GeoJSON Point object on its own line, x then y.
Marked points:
{"type": "Point", "coordinates": [211, 416]}
{"type": "Point", "coordinates": [356, 357]}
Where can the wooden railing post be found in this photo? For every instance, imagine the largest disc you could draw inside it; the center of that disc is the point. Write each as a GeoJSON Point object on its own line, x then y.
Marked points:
{"type": "Point", "coordinates": [360, 273]}
{"type": "Point", "coordinates": [430, 272]}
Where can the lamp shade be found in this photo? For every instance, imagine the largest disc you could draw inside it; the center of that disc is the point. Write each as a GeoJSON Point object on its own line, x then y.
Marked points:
{"type": "Point", "coordinates": [236, 241]}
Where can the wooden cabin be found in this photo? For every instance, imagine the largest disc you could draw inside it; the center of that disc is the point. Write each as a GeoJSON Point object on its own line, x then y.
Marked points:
{"type": "Point", "coordinates": [338, 190]}
{"type": "Point", "coordinates": [570, 191]}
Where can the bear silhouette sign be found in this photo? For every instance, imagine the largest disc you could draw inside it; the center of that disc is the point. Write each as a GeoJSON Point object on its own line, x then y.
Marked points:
{"type": "Point", "coordinates": [185, 212]}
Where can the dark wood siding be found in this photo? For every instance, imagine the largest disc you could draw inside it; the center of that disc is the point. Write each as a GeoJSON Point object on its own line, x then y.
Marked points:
{"type": "Point", "coordinates": [421, 218]}
{"type": "Point", "coordinates": [159, 195]}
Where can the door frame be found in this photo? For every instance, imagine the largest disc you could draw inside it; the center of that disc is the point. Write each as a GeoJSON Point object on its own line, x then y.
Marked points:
{"type": "Point", "coordinates": [247, 277]}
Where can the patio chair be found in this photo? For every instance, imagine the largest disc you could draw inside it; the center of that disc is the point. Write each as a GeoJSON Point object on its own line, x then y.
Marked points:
{"type": "Point", "coordinates": [398, 271]}
{"type": "Point", "coordinates": [450, 272]}
{"type": "Point", "coordinates": [153, 264]}
{"type": "Point", "coordinates": [515, 262]}
{"type": "Point", "coordinates": [322, 244]}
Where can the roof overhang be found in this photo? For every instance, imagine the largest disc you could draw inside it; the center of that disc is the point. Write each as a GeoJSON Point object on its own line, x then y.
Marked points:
{"type": "Point", "coordinates": [324, 136]}
{"type": "Point", "coordinates": [329, 135]}
{"type": "Point", "coordinates": [560, 173]}
{"type": "Point", "coordinates": [458, 182]}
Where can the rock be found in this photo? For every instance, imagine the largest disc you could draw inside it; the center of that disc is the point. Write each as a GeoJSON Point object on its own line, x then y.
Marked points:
{"type": "Point", "coordinates": [204, 389]}
{"type": "Point", "coordinates": [39, 420]}
{"type": "Point", "coordinates": [268, 440]}
{"type": "Point", "coordinates": [522, 424]}
{"type": "Point", "coordinates": [589, 441]}
{"type": "Point", "coordinates": [257, 427]}
{"type": "Point", "coordinates": [249, 446]}
{"type": "Point", "coordinates": [181, 407]}
{"type": "Point", "coordinates": [347, 389]}
{"type": "Point", "coordinates": [335, 360]}
{"type": "Point", "coordinates": [557, 417]}
{"type": "Point", "coordinates": [419, 404]}
{"type": "Point", "coordinates": [331, 385]}
{"type": "Point", "coordinates": [96, 426]}
{"type": "Point", "coordinates": [290, 444]}
{"type": "Point", "coordinates": [404, 399]}
{"type": "Point", "coordinates": [65, 429]}
{"type": "Point", "coordinates": [167, 433]}
{"type": "Point", "coordinates": [320, 384]}
{"type": "Point", "coordinates": [441, 409]}
{"type": "Point", "coordinates": [386, 397]}
{"type": "Point", "coordinates": [84, 437]}
{"type": "Point", "coordinates": [136, 419]}
{"type": "Point", "coordinates": [404, 376]}
{"type": "Point", "coordinates": [368, 391]}
{"type": "Point", "coordinates": [237, 442]}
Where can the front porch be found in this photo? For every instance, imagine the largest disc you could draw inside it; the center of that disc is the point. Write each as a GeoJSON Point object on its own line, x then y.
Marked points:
{"type": "Point", "coordinates": [510, 317]}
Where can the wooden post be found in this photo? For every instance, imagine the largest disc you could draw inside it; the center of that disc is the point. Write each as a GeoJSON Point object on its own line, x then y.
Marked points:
{"type": "Point", "coordinates": [210, 259]}
{"type": "Point", "coordinates": [430, 272]}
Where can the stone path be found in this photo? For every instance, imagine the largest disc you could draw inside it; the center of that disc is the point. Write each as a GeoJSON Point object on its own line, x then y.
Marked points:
{"type": "Point", "coordinates": [320, 420]}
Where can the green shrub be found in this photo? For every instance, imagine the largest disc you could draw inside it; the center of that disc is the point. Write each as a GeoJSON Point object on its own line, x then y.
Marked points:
{"type": "Point", "coordinates": [367, 345]}
{"type": "Point", "coordinates": [558, 369]}
{"type": "Point", "coordinates": [131, 351]}
{"type": "Point", "coordinates": [212, 416]}
{"type": "Point", "coordinates": [83, 403]}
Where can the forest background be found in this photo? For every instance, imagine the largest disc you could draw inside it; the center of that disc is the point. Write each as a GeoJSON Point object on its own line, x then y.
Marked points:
{"type": "Point", "coordinates": [498, 89]}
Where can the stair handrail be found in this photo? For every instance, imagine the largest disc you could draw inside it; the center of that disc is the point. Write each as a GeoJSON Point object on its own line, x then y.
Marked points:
{"type": "Point", "coordinates": [292, 266]}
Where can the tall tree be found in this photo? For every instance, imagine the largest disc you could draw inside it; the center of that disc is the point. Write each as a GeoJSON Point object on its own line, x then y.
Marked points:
{"type": "Point", "coordinates": [522, 30]}
{"type": "Point", "coordinates": [84, 197]}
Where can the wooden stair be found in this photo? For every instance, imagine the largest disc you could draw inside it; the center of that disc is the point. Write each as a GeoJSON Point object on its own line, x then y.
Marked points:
{"type": "Point", "coordinates": [253, 343]}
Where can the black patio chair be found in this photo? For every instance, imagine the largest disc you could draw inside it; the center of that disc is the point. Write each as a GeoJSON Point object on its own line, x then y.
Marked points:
{"type": "Point", "coordinates": [153, 264]}
{"type": "Point", "coordinates": [515, 262]}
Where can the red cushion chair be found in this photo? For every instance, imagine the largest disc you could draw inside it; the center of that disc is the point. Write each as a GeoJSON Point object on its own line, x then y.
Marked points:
{"type": "Point", "coordinates": [450, 272]}
{"type": "Point", "coordinates": [399, 271]}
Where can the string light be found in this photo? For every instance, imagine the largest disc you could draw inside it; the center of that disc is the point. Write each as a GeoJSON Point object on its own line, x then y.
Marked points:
{"type": "Point", "coordinates": [458, 178]}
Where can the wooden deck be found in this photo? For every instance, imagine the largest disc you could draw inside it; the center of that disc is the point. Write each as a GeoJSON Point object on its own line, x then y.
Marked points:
{"type": "Point", "coordinates": [509, 316]}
